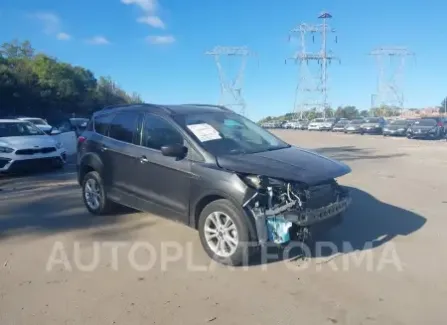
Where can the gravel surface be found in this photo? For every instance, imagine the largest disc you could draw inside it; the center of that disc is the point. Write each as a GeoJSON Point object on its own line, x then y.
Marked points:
{"type": "Point", "coordinates": [386, 264]}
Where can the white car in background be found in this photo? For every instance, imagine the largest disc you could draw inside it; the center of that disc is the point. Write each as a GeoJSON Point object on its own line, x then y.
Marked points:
{"type": "Point", "coordinates": [316, 124]}
{"type": "Point", "coordinates": [23, 146]}
{"type": "Point", "coordinates": [39, 122]}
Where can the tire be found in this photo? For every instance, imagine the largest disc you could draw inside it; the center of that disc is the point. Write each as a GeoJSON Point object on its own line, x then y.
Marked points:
{"type": "Point", "coordinates": [225, 208]}
{"type": "Point", "coordinates": [105, 206]}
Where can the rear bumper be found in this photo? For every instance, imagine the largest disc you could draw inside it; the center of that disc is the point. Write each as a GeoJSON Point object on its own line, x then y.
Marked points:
{"type": "Point", "coordinates": [394, 132]}
{"type": "Point", "coordinates": [423, 135]}
{"type": "Point", "coordinates": [372, 130]}
{"type": "Point", "coordinates": [352, 131]}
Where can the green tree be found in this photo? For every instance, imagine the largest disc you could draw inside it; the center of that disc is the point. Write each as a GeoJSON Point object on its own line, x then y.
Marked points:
{"type": "Point", "coordinates": [364, 113]}
{"type": "Point", "coordinates": [40, 85]}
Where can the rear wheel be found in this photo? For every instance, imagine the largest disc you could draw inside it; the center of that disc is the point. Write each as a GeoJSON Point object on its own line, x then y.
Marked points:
{"type": "Point", "coordinates": [94, 195]}
{"type": "Point", "coordinates": [224, 233]}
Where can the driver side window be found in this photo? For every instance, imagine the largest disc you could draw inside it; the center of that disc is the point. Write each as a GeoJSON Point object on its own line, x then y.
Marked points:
{"type": "Point", "coordinates": [158, 132]}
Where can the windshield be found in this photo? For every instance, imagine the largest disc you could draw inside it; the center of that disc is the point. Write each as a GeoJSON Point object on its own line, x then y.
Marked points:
{"type": "Point", "coordinates": [342, 122]}
{"type": "Point", "coordinates": [372, 120]}
{"type": "Point", "coordinates": [356, 122]}
{"type": "Point", "coordinates": [18, 129]}
{"type": "Point", "coordinates": [318, 120]}
{"type": "Point", "coordinates": [330, 120]}
{"type": "Point", "coordinates": [425, 122]}
{"type": "Point", "coordinates": [399, 122]}
{"type": "Point", "coordinates": [226, 133]}
{"type": "Point", "coordinates": [36, 121]}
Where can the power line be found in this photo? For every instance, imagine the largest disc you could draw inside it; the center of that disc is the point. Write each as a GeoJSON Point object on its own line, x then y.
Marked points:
{"type": "Point", "coordinates": [391, 64]}
{"type": "Point", "coordinates": [231, 88]}
{"type": "Point", "coordinates": [312, 88]}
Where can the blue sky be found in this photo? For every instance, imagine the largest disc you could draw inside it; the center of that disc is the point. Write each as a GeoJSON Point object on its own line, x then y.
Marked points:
{"type": "Point", "coordinates": [157, 47]}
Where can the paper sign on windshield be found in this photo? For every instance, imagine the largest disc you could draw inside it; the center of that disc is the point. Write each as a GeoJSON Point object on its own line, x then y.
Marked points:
{"type": "Point", "coordinates": [204, 132]}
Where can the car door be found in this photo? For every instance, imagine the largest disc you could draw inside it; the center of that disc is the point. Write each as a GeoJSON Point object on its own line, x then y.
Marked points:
{"type": "Point", "coordinates": [122, 147]}
{"type": "Point", "coordinates": [164, 181]}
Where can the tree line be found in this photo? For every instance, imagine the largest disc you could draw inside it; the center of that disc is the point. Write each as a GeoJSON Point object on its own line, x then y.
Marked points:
{"type": "Point", "coordinates": [38, 85]}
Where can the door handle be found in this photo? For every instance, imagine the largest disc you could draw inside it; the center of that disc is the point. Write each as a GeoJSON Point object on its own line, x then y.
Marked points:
{"type": "Point", "coordinates": [104, 148]}
{"type": "Point", "coordinates": [143, 159]}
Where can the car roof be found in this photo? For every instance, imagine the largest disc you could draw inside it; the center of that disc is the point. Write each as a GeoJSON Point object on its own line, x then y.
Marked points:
{"type": "Point", "coordinates": [168, 109]}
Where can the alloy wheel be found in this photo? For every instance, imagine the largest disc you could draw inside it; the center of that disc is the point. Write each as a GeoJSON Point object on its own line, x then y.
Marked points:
{"type": "Point", "coordinates": [221, 234]}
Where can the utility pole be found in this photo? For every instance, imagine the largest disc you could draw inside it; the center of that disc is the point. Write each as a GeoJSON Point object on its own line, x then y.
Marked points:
{"type": "Point", "coordinates": [231, 88]}
{"type": "Point", "coordinates": [312, 88]}
{"type": "Point", "coordinates": [391, 63]}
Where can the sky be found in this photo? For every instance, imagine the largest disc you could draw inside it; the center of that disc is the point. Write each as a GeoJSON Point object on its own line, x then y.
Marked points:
{"type": "Point", "coordinates": [156, 47]}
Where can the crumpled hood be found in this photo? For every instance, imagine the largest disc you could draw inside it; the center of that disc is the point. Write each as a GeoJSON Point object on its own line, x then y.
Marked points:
{"type": "Point", "coordinates": [293, 164]}
{"type": "Point", "coordinates": [26, 142]}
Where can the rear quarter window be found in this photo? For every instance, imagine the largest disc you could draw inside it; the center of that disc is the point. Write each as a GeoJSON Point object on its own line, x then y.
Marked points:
{"type": "Point", "coordinates": [102, 123]}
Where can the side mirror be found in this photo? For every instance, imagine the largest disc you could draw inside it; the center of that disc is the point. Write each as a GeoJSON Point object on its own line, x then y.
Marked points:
{"type": "Point", "coordinates": [174, 150]}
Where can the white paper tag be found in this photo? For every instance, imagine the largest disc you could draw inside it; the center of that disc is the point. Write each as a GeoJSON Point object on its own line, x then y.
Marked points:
{"type": "Point", "coordinates": [204, 132]}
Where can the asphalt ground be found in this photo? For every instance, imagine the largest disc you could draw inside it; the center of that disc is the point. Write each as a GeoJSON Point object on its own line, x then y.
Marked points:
{"type": "Point", "coordinates": [386, 264]}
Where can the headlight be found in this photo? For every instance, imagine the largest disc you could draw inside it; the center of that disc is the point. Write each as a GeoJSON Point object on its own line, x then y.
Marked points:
{"type": "Point", "coordinates": [377, 126]}
{"type": "Point", "coordinates": [261, 182]}
{"type": "Point", "coordinates": [6, 149]}
{"type": "Point", "coordinates": [432, 131]}
{"type": "Point", "coordinates": [256, 181]}
{"type": "Point", "coordinates": [401, 129]}
{"type": "Point", "coordinates": [385, 129]}
{"type": "Point", "coordinates": [58, 145]}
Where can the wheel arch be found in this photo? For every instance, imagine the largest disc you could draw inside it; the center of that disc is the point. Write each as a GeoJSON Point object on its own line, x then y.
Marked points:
{"type": "Point", "coordinates": [207, 198]}
{"type": "Point", "coordinates": [89, 162]}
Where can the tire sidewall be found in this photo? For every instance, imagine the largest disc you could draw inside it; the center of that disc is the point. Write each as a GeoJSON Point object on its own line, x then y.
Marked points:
{"type": "Point", "coordinates": [94, 175]}
{"type": "Point", "coordinates": [242, 252]}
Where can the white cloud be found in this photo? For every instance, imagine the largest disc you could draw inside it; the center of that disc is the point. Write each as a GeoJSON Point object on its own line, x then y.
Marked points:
{"type": "Point", "coordinates": [63, 36]}
{"type": "Point", "coordinates": [169, 39]}
{"type": "Point", "coordinates": [146, 5]}
{"type": "Point", "coordinates": [51, 22]}
{"type": "Point", "coordinates": [98, 40]}
{"type": "Point", "coordinates": [153, 21]}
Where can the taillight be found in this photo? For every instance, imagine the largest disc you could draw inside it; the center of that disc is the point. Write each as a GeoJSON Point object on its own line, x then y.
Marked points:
{"type": "Point", "coordinates": [81, 139]}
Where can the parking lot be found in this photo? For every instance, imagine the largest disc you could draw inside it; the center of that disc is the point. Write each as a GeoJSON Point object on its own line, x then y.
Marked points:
{"type": "Point", "coordinates": [387, 263]}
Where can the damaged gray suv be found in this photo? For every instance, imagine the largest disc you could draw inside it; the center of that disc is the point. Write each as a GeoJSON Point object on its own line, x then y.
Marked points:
{"type": "Point", "coordinates": [211, 169]}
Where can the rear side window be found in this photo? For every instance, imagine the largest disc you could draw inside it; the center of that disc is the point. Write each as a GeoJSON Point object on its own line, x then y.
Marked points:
{"type": "Point", "coordinates": [124, 127]}
{"type": "Point", "coordinates": [102, 123]}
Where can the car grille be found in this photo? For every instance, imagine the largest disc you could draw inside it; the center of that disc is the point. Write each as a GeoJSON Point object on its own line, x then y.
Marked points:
{"type": "Point", "coordinates": [35, 151]}
{"type": "Point", "coordinates": [33, 164]}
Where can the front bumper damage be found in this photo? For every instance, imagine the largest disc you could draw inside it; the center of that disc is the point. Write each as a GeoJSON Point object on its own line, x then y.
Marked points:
{"type": "Point", "coordinates": [297, 215]}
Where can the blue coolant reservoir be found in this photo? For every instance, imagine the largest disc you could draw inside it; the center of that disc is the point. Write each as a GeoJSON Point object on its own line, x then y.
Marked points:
{"type": "Point", "coordinates": [278, 230]}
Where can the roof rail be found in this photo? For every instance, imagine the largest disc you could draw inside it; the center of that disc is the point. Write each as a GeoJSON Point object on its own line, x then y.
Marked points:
{"type": "Point", "coordinates": [160, 107]}
{"type": "Point", "coordinates": [212, 105]}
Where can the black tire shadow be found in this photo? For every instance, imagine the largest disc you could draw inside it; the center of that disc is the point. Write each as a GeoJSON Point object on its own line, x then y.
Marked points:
{"type": "Point", "coordinates": [368, 223]}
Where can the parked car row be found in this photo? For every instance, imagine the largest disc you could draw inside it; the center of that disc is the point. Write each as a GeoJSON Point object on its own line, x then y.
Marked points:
{"type": "Point", "coordinates": [422, 128]}
{"type": "Point", "coordinates": [75, 124]}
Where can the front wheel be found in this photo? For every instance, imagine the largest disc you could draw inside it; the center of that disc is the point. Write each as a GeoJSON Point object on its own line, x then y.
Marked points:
{"type": "Point", "coordinates": [224, 233]}
{"type": "Point", "coordinates": [94, 195]}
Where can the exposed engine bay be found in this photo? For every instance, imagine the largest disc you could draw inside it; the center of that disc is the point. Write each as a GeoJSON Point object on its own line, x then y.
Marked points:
{"type": "Point", "coordinates": [283, 210]}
